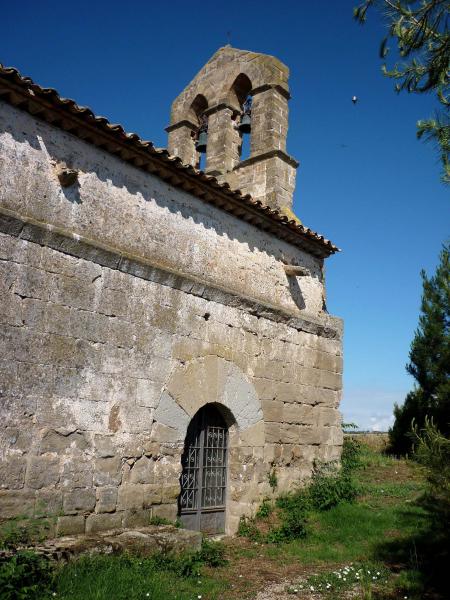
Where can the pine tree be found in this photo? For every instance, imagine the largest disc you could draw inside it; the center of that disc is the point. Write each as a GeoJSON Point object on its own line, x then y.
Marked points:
{"type": "Point", "coordinates": [429, 362]}
{"type": "Point", "coordinates": [419, 28]}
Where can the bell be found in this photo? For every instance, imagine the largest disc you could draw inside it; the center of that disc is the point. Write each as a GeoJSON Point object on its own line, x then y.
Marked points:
{"type": "Point", "coordinates": [201, 142]}
{"type": "Point", "coordinates": [245, 126]}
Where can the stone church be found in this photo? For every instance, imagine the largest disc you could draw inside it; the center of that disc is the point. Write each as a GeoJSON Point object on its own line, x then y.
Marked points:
{"type": "Point", "coordinates": [166, 349]}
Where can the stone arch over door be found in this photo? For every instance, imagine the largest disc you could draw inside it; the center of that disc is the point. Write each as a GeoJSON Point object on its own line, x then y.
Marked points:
{"type": "Point", "coordinates": [214, 380]}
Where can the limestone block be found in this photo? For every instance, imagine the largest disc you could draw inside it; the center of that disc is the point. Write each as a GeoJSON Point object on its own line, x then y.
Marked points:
{"type": "Point", "coordinates": [273, 410]}
{"type": "Point", "coordinates": [14, 503]}
{"type": "Point", "coordinates": [170, 493]}
{"type": "Point", "coordinates": [113, 302]}
{"type": "Point", "coordinates": [48, 503]}
{"type": "Point", "coordinates": [72, 291]}
{"type": "Point", "coordinates": [70, 525]}
{"type": "Point", "coordinates": [12, 472]}
{"type": "Point", "coordinates": [290, 434]}
{"type": "Point", "coordinates": [106, 499]}
{"type": "Point", "coordinates": [136, 419]}
{"type": "Point", "coordinates": [136, 518]}
{"type": "Point", "coordinates": [152, 494]}
{"type": "Point", "coordinates": [62, 440]}
{"type": "Point", "coordinates": [272, 453]}
{"type": "Point", "coordinates": [79, 500]}
{"type": "Point", "coordinates": [164, 434]}
{"type": "Point", "coordinates": [273, 433]}
{"type": "Point", "coordinates": [327, 416]}
{"type": "Point", "coordinates": [104, 446]}
{"type": "Point", "coordinates": [108, 471]}
{"type": "Point", "coordinates": [147, 393]}
{"type": "Point", "coordinates": [253, 435]}
{"type": "Point", "coordinates": [89, 326]}
{"type": "Point", "coordinates": [142, 471]}
{"type": "Point", "coordinates": [77, 471]}
{"type": "Point", "coordinates": [66, 382]}
{"type": "Point", "coordinates": [32, 283]}
{"type": "Point", "coordinates": [299, 413]}
{"type": "Point", "coordinates": [35, 382]}
{"type": "Point", "coordinates": [11, 311]}
{"type": "Point", "coordinates": [42, 471]}
{"type": "Point", "coordinates": [131, 496]}
{"type": "Point", "coordinates": [165, 511]}
{"type": "Point", "coordinates": [171, 414]}
{"type": "Point", "coordinates": [103, 522]}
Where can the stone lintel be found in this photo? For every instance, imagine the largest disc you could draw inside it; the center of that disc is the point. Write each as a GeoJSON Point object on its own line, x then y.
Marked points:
{"type": "Point", "coordinates": [221, 106]}
{"type": "Point", "coordinates": [182, 123]}
{"type": "Point", "coordinates": [260, 157]}
{"type": "Point", "coordinates": [272, 86]}
{"type": "Point", "coordinates": [20, 227]}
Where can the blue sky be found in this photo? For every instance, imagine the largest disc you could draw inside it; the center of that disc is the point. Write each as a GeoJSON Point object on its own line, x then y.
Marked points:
{"type": "Point", "coordinates": [364, 180]}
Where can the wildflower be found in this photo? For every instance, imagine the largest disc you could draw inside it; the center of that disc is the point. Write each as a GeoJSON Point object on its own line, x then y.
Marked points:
{"type": "Point", "coordinates": [374, 577]}
{"type": "Point", "coordinates": [311, 588]}
{"type": "Point", "coordinates": [378, 573]}
{"type": "Point", "coordinates": [199, 597]}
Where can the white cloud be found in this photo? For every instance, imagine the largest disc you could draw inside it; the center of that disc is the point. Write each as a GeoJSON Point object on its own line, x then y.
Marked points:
{"type": "Point", "coordinates": [370, 409]}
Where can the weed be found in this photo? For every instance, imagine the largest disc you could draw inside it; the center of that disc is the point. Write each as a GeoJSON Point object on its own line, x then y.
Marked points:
{"type": "Point", "coordinates": [22, 531]}
{"type": "Point", "coordinates": [159, 521]}
{"type": "Point", "coordinates": [273, 479]}
{"type": "Point", "coordinates": [24, 575]}
{"type": "Point", "coordinates": [247, 528]}
{"type": "Point", "coordinates": [265, 509]}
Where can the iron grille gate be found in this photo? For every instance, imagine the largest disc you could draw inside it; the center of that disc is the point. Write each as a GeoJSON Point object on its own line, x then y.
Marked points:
{"type": "Point", "coordinates": [204, 474]}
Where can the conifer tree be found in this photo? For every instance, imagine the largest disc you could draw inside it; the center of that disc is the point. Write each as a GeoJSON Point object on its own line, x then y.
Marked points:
{"type": "Point", "coordinates": [420, 30]}
{"type": "Point", "coordinates": [429, 362]}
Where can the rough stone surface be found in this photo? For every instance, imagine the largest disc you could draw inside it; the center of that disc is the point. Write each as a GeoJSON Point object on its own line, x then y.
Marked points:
{"type": "Point", "coordinates": [128, 304]}
{"type": "Point", "coordinates": [99, 540]}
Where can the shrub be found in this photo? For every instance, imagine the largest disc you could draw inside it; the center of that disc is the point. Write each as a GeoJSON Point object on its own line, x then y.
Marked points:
{"type": "Point", "coordinates": [293, 526]}
{"type": "Point", "coordinates": [247, 528]}
{"type": "Point", "coordinates": [329, 487]}
{"type": "Point", "coordinates": [212, 554]}
{"type": "Point", "coordinates": [24, 575]}
{"type": "Point", "coordinates": [22, 531]}
{"type": "Point", "coordinates": [265, 509]}
{"type": "Point", "coordinates": [351, 454]}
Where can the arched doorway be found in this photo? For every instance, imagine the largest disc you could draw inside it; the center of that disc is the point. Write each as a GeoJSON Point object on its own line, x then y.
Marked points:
{"type": "Point", "coordinates": [204, 472]}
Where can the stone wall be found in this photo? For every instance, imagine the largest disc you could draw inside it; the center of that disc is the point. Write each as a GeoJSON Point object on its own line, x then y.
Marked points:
{"type": "Point", "coordinates": [126, 306]}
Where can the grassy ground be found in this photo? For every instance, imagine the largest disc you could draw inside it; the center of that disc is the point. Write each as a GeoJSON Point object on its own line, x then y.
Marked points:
{"type": "Point", "coordinates": [376, 533]}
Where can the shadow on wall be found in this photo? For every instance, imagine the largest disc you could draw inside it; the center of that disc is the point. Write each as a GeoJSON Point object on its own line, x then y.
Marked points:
{"type": "Point", "coordinates": [128, 177]}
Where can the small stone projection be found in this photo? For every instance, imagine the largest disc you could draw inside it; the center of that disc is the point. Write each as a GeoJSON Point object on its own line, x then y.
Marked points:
{"type": "Point", "coordinates": [165, 343]}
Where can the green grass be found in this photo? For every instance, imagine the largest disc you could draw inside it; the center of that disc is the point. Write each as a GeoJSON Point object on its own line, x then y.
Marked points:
{"type": "Point", "coordinates": [381, 528]}
{"type": "Point", "coordinates": [126, 578]}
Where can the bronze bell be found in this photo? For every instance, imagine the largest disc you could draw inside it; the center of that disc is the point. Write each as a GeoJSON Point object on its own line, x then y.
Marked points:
{"type": "Point", "coordinates": [202, 140]}
{"type": "Point", "coordinates": [245, 126]}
